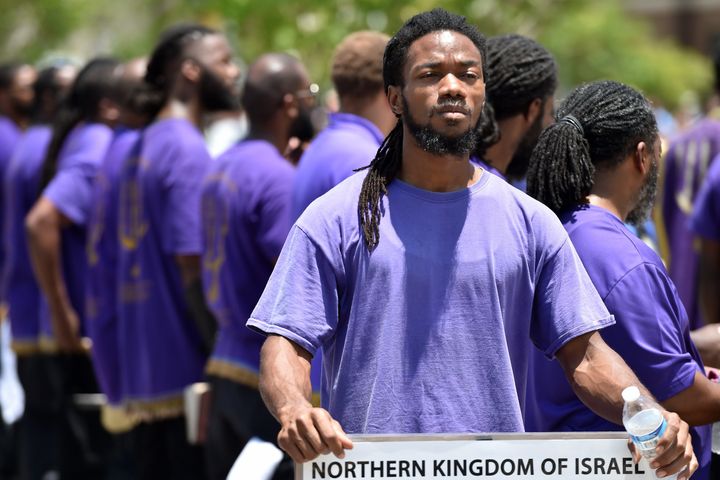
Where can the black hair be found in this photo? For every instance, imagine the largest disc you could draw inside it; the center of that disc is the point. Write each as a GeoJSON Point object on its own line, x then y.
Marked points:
{"type": "Point", "coordinates": [82, 103]}
{"type": "Point", "coordinates": [264, 88]}
{"type": "Point", "coordinates": [387, 162]}
{"type": "Point", "coordinates": [149, 97]}
{"type": "Point", "coordinates": [716, 64]}
{"type": "Point", "coordinates": [8, 71]}
{"type": "Point", "coordinates": [47, 88]}
{"type": "Point", "coordinates": [600, 123]}
{"type": "Point", "coordinates": [521, 71]}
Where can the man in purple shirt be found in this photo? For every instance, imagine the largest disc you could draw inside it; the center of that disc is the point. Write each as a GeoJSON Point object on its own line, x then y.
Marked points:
{"type": "Point", "coordinates": [246, 218]}
{"type": "Point", "coordinates": [354, 134]}
{"type": "Point", "coordinates": [397, 276]}
{"type": "Point", "coordinates": [681, 176]}
{"type": "Point", "coordinates": [520, 95]}
{"type": "Point", "coordinates": [166, 330]}
{"type": "Point", "coordinates": [597, 168]}
{"type": "Point", "coordinates": [56, 228]}
{"type": "Point", "coordinates": [36, 448]}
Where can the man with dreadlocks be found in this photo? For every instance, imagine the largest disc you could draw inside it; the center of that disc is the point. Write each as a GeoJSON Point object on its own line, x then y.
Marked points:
{"type": "Point", "coordinates": [421, 278]}
{"type": "Point", "coordinates": [597, 168]}
{"type": "Point", "coordinates": [520, 94]}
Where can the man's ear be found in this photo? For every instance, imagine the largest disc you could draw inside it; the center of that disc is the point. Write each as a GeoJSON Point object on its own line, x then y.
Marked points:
{"type": "Point", "coordinates": [190, 70]}
{"type": "Point", "coordinates": [394, 96]}
{"type": "Point", "coordinates": [109, 110]}
{"type": "Point", "coordinates": [534, 110]}
{"type": "Point", "coordinates": [642, 157]}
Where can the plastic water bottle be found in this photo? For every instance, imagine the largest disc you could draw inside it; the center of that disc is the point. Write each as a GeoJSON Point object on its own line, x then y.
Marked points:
{"type": "Point", "coordinates": [644, 421]}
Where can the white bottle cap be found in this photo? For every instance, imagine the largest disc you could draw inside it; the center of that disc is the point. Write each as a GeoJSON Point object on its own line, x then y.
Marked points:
{"type": "Point", "coordinates": [631, 394]}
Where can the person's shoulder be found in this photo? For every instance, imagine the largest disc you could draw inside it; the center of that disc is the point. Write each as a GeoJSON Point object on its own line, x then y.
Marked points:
{"type": "Point", "coordinates": [337, 206]}
{"type": "Point", "coordinates": [519, 202]}
{"type": "Point", "coordinates": [175, 139]}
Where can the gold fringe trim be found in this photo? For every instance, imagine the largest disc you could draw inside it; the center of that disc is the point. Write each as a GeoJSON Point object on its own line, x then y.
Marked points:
{"type": "Point", "coordinates": [25, 348]}
{"type": "Point", "coordinates": [230, 371]}
{"type": "Point", "coordinates": [151, 410]}
{"type": "Point", "coordinates": [241, 375]}
{"type": "Point", "coordinates": [48, 345]}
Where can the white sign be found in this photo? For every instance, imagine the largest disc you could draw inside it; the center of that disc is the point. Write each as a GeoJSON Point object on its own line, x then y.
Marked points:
{"type": "Point", "coordinates": [498, 457]}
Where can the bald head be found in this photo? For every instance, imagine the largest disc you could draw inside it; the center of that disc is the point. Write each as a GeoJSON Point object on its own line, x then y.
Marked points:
{"type": "Point", "coordinates": [357, 66]}
{"type": "Point", "coordinates": [269, 79]}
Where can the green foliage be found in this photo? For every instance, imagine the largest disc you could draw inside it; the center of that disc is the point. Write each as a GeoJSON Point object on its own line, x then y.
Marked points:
{"type": "Point", "coordinates": [591, 40]}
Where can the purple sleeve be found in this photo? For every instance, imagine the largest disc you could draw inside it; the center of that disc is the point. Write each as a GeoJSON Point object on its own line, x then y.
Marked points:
{"type": "Point", "coordinates": [649, 332]}
{"type": "Point", "coordinates": [182, 229]}
{"type": "Point", "coordinates": [300, 301]}
{"type": "Point", "coordinates": [566, 303]}
{"type": "Point", "coordinates": [71, 189]}
{"type": "Point", "coordinates": [705, 219]}
{"type": "Point", "coordinates": [274, 219]}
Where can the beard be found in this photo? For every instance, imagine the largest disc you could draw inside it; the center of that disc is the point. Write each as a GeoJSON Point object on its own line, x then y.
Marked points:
{"type": "Point", "coordinates": [302, 127]}
{"type": "Point", "coordinates": [646, 198]}
{"type": "Point", "coordinates": [215, 94]}
{"type": "Point", "coordinates": [437, 143]}
{"type": "Point", "coordinates": [518, 166]}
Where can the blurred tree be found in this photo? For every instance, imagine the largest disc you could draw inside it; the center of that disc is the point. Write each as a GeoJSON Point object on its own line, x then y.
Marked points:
{"type": "Point", "coordinates": [590, 40]}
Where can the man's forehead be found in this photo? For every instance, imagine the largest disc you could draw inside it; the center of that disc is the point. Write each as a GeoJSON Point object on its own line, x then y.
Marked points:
{"type": "Point", "coordinates": [441, 45]}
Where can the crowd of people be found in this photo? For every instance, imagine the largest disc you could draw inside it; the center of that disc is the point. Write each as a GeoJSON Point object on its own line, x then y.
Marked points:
{"type": "Point", "coordinates": [387, 275]}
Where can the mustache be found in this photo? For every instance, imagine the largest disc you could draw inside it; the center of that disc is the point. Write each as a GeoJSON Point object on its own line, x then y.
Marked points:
{"type": "Point", "coordinates": [454, 104]}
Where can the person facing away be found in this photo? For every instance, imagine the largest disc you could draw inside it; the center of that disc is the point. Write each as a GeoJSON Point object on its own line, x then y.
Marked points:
{"type": "Point", "coordinates": [522, 78]}
{"type": "Point", "coordinates": [102, 245]}
{"type": "Point", "coordinates": [449, 249]}
{"type": "Point", "coordinates": [354, 134]}
{"type": "Point", "coordinates": [166, 330]}
{"type": "Point", "coordinates": [36, 450]}
{"type": "Point", "coordinates": [682, 173]}
{"type": "Point", "coordinates": [56, 232]}
{"type": "Point", "coordinates": [16, 103]}
{"type": "Point", "coordinates": [597, 168]}
{"type": "Point", "coordinates": [246, 204]}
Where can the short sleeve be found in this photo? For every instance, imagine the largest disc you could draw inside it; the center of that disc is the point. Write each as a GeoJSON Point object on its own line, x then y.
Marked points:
{"type": "Point", "coordinates": [705, 219]}
{"type": "Point", "coordinates": [182, 229]}
{"type": "Point", "coordinates": [71, 190]}
{"type": "Point", "coordinates": [649, 330]}
{"type": "Point", "coordinates": [300, 301]}
{"type": "Point", "coordinates": [274, 215]}
{"type": "Point", "coordinates": [566, 303]}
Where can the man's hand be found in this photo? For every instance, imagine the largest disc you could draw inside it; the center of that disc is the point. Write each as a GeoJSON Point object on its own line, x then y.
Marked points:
{"type": "Point", "coordinates": [674, 450]}
{"type": "Point", "coordinates": [308, 432]}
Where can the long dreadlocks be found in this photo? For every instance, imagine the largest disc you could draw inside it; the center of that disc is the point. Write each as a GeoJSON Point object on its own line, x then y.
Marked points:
{"type": "Point", "coordinates": [599, 124]}
{"type": "Point", "coordinates": [388, 160]}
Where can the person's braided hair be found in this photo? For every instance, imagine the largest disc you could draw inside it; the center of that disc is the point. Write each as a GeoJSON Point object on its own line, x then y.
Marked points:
{"type": "Point", "coordinates": [81, 104]}
{"type": "Point", "coordinates": [163, 66]}
{"type": "Point", "coordinates": [599, 124]}
{"type": "Point", "coordinates": [387, 162]}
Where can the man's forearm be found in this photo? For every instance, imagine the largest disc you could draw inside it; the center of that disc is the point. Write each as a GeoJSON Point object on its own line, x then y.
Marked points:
{"type": "Point", "coordinates": [598, 375]}
{"type": "Point", "coordinates": [43, 232]}
{"type": "Point", "coordinates": [284, 376]}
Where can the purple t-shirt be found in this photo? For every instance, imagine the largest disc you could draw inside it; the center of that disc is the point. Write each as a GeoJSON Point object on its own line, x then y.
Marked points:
{"type": "Point", "coordinates": [20, 192]}
{"type": "Point", "coordinates": [161, 350]}
{"type": "Point", "coordinates": [682, 174]}
{"type": "Point", "coordinates": [487, 167]}
{"type": "Point", "coordinates": [705, 220]}
{"type": "Point", "coordinates": [246, 219]}
{"type": "Point", "coordinates": [651, 332]}
{"type": "Point", "coordinates": [10, 135]}
{"type": "Point", "coordinates": [348, 142]}
{"type": "Point", "coordinates": [70, 192]}
{"type": "Point", "coordinates": [431, 331]}
{"type": "Point", "coordinates": [102, 265]}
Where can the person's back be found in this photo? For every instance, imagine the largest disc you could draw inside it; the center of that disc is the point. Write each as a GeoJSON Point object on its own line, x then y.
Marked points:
{"type": "Point", "coordinates": [597, 169]}
{"type": "Point", "coordinates": [102, 265]}
{"type": "Point", "coordinates": [355, 133]}
{"type": "Point", "coordinates": [20, 188]}
{"type": "Point", "coordinates": [159, 195]}
{"type": "Point", "coordinates": [684, 168]}
{"type": "Point", "coordinates": [651, 332]}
